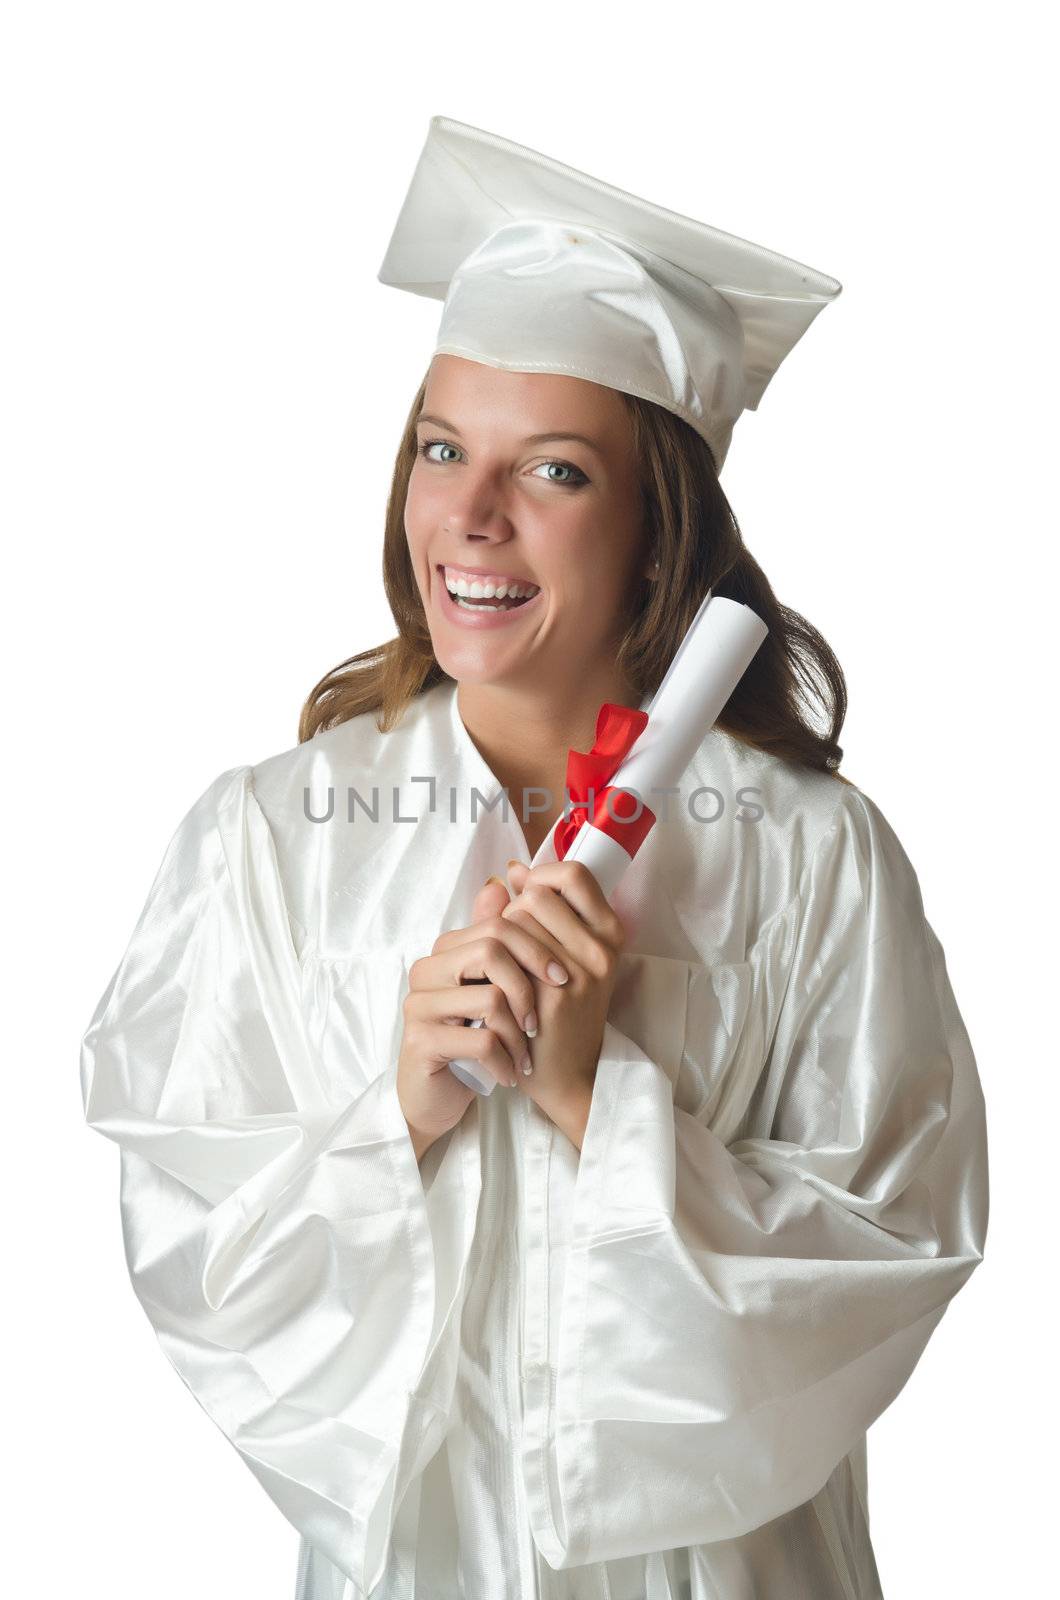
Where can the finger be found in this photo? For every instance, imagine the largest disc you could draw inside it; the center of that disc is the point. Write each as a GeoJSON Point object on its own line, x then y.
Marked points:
{"type": "Point", "coordinates": [519, 922]}
{"type": "Point", "coordinates": [490, 900]}
{"type": "Point", "coordinates": [532, 954]}
{"type": "Point", "coordinates": [492, 986]}
{"type": "Point", "coordinates": [446, 1043]}
{"type": "Point", "coordinates": [498, 1043]}
{"type": "Point", "coordinates": [578, 888]}
{"type": "Point", "coordinates": [578, 946]}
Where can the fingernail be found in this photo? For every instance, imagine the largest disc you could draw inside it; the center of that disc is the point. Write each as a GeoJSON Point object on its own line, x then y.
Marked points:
{"type": "Point", "coordinates": [515, 1083]}
{"type": "Point", "coordinates": [515, 863]}
{"type": "Point", "coordinates": [528, 1065]}
{"type": "Point", "coordinates": [493, 878]}
{"type": "Point", "coordinates": [530, 1024]}
{"type": "Point", "coordinates": [556, 972]}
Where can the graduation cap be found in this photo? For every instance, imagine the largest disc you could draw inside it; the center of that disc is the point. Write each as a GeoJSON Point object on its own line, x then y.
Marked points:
{"type": "Point", "coordinates": [543, 268]}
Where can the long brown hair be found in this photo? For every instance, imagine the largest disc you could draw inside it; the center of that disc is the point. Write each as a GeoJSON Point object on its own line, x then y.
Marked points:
{"type": "Point", "coordinates": [691, 527]}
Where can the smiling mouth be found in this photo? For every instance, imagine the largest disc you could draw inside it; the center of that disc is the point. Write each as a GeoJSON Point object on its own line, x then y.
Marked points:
{"type": "Point", "coordinates": [483, 603]}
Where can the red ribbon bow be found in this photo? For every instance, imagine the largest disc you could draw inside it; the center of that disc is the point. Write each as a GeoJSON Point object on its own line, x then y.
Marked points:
{"type": "Point", "coordinates": [617, 730]}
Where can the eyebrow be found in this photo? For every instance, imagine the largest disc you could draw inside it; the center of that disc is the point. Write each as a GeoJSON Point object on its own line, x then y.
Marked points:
{"type": "Point", "coordinates": [532, 438]}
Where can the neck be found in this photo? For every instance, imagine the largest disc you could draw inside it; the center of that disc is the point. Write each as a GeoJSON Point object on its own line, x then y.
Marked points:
{"type": "Point", "coordinates": [524, 737]}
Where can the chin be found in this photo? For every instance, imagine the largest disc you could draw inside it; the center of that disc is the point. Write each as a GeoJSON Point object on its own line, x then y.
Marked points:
{"type": "Point", "coordinates": [468, 671]}
{"type": "Point", "coordinates": [472, 666]}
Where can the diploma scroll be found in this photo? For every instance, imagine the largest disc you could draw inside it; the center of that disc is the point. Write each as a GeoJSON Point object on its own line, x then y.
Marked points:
{"type": "Point", "coordinates": [712, 658]}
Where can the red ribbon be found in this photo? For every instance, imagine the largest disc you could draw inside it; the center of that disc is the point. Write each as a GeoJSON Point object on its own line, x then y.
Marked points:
{"type": "Point", "coordinates": [617, 730]}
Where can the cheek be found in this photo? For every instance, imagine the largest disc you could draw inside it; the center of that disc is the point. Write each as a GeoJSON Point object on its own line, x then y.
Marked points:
{"type": "Point", "coordinates": [423, 488]}
{"type": "Point", "coordinates": [564, 546]}
{"type": "Point", "coordinates": [420, 517]}
{"type": "Point", "coordinates": [589, 569]}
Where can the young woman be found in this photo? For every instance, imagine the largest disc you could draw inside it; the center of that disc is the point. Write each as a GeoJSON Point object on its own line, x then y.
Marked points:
{"type": "Point", "coordinates": [617, 1328]}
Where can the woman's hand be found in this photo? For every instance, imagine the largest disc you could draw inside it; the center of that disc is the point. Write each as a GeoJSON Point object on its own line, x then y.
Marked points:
{"type": "Point", "coordinates": [563, 907]}
{"type": "Point", "coordinates": [480, 971]}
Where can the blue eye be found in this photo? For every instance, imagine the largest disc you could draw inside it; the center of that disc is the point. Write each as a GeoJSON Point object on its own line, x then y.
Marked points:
{"type": "Point", "coordinates": [430, 444]}
{"type": "Point", "coordinates": [566, 466]}
{"type": "Point", "coordinates": [574, 482]}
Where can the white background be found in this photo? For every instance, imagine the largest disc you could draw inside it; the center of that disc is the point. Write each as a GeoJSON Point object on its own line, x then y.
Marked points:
{"type": "Point", "coordinates": [203, 386]}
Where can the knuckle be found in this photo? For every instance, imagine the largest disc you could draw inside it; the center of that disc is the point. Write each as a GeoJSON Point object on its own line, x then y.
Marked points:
{"type": "Point", "coordinates": [500, 1010]}
{"type": "Point", "coordinates": [484, 1041]}
{"type": "Point", "coordinates": [600, 961]}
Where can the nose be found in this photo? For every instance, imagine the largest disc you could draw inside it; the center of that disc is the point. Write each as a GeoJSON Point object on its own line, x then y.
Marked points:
{"type": "Point", "coordinates": [476, 508]}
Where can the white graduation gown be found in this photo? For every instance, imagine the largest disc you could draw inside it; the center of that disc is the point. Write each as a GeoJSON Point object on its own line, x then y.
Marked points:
{"type": "Point", "coordinates": [641, 1373]}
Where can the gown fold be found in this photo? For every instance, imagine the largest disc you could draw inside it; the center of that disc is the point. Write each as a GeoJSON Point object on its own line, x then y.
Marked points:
{"type": "Point", "coordinates": [641, 1371]}
{"type": "Point", "coordinates": [735, 1316]}
{"type": "Point", "coordinates": [277, 1233]}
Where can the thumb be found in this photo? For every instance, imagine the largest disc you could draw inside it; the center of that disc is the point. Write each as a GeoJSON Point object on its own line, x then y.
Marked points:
{"type": "Point", "coordinates": [518, 872]}
{"type": "Point", "coordinates": [491, 899]}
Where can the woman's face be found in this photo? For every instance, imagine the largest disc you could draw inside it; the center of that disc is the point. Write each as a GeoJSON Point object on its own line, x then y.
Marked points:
{"type": "Point", "coordinates": [496, 492]}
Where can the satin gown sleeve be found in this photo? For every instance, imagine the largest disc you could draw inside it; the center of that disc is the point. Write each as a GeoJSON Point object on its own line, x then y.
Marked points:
{"type": "Point", "coordinates": [276, 1229]}
{"type": "Point", "coordinates": [735, 1312]}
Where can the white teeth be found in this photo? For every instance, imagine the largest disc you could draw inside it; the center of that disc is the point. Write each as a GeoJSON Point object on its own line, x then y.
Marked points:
{"type": "Point", "coordinates": [486, 589]}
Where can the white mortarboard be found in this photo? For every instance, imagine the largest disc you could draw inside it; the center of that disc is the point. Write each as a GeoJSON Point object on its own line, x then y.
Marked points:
{"type": "Point", "coordinates": [545, 269]}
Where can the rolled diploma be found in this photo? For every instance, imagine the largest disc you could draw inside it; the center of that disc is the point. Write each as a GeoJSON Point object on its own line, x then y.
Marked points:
{"type": "Point", "coordinates": [713, 656]}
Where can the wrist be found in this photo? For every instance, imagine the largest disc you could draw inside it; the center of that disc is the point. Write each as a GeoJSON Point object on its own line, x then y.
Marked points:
{"type": "Point", "coordinates": [571, 1114]}
{"type": "Point", "coordinates": [421, 1142]}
